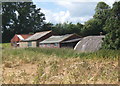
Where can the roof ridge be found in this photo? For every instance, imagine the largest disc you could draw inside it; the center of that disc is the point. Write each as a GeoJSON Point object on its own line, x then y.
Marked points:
{"type": "Point", "coordinates": [20, 37]}
{"type": "Point", "coordinates": [44, 31]}
{"type": "Point", "coordinates": [23, 34]}
{"type": "Point", "coordinates": [37, 35]}
{"type": "Point", "coordinates": [69, 35]}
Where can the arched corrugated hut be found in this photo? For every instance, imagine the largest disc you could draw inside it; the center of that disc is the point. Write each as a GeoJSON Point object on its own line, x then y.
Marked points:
{"type": "Point", "coordinates": [89, 44]}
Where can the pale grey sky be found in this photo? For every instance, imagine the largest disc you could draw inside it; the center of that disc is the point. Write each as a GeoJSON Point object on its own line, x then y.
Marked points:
{"type": "Point", "coordinates": [61, 11]}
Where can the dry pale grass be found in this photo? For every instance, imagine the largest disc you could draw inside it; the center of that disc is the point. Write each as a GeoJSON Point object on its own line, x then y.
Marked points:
{"type": "Point", "coordinates": [53, 70]}
{"type": "Point", "coordinates": [19, 73]}
{"type": "Point", "coordinates": [77, 71]}
{"type": "Point", "coordinates": [39, 66]}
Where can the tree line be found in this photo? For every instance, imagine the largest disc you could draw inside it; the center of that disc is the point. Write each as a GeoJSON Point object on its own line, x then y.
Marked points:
{"type": "Point", "coordinates": [25, 18]}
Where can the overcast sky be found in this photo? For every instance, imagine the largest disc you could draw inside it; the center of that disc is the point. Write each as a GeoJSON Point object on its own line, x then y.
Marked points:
{"type": "Point", "coordinates": [74, 11]}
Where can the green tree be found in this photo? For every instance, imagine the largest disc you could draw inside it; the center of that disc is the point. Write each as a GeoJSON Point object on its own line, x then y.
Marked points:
{"type": "Point", "coordinates": [47, 26]}
{"type": "Point", "coordinates": [8, 15]}
{"type": "Point", "coordinates": [112, 26]}
{"type": "Point", "coordinates": [20, 18]}
{"type": "Point", "coordinates": [95, 25]}
{"type": "Point", "coordinates": [67, 28]}
{"type": "Point", "coordinates": [102, 11]}
{"type": "Point", "coordinates": [92, 27]}
{"type": "Point", "coordinates": [75, 28]}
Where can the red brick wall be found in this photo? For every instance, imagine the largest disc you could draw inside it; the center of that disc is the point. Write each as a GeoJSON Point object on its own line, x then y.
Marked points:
{"type": "Point", "coordinates": [15, 39]}
{"type": "Point", "coordinates": [51, 45]}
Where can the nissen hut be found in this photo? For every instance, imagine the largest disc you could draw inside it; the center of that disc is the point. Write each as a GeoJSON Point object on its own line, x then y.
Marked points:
{"type": "Point", "coordinates": [89, 44]}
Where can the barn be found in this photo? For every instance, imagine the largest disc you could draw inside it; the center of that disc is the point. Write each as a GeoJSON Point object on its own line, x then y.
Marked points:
{"type": "Point", "coordinates": [17, 38]}
{"type": "Point", "coordinates": [89, 44]}
{"type": "Point", "coordinates": [68, 40]}
{"type": "Point", "coordinates": [33, 41]}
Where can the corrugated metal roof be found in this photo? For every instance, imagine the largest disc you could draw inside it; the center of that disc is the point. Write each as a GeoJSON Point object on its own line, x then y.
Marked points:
{"type": "Point", "coordinates": [56, 39]}
{"type": "Point", "coordinates": [25, 36]}
{"type": "Point", "coordinates": [89, 44]}
{"type": "Point", "coordinates": [20, 37]}
{"type": "Point", "coordinates": [73, 40]}
{"type": "Point", "coordinates": [37, 35]}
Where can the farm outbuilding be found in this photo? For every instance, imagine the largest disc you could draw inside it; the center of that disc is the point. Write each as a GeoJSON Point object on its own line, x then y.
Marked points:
{"type": "Point", "coordinates": [17, 38]}
{"type": "Point", "coordinates": [33, 41]}
{"type": "Point", "coordinates": [89, 44]}
{"type": "Point", "coordinates": [68, 40]}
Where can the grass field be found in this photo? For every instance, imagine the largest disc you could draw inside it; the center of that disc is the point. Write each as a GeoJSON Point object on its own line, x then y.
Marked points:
{"type": "Point", "coordinates": [59, 66]}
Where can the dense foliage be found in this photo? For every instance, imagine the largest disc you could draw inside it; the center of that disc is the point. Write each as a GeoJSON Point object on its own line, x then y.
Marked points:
{"type": "Point", "coordinates": [112, 26]}
{"type": "Point", "coordinates": [20, 18]}
{"type": "Point", "coordinates": [67, 28]}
